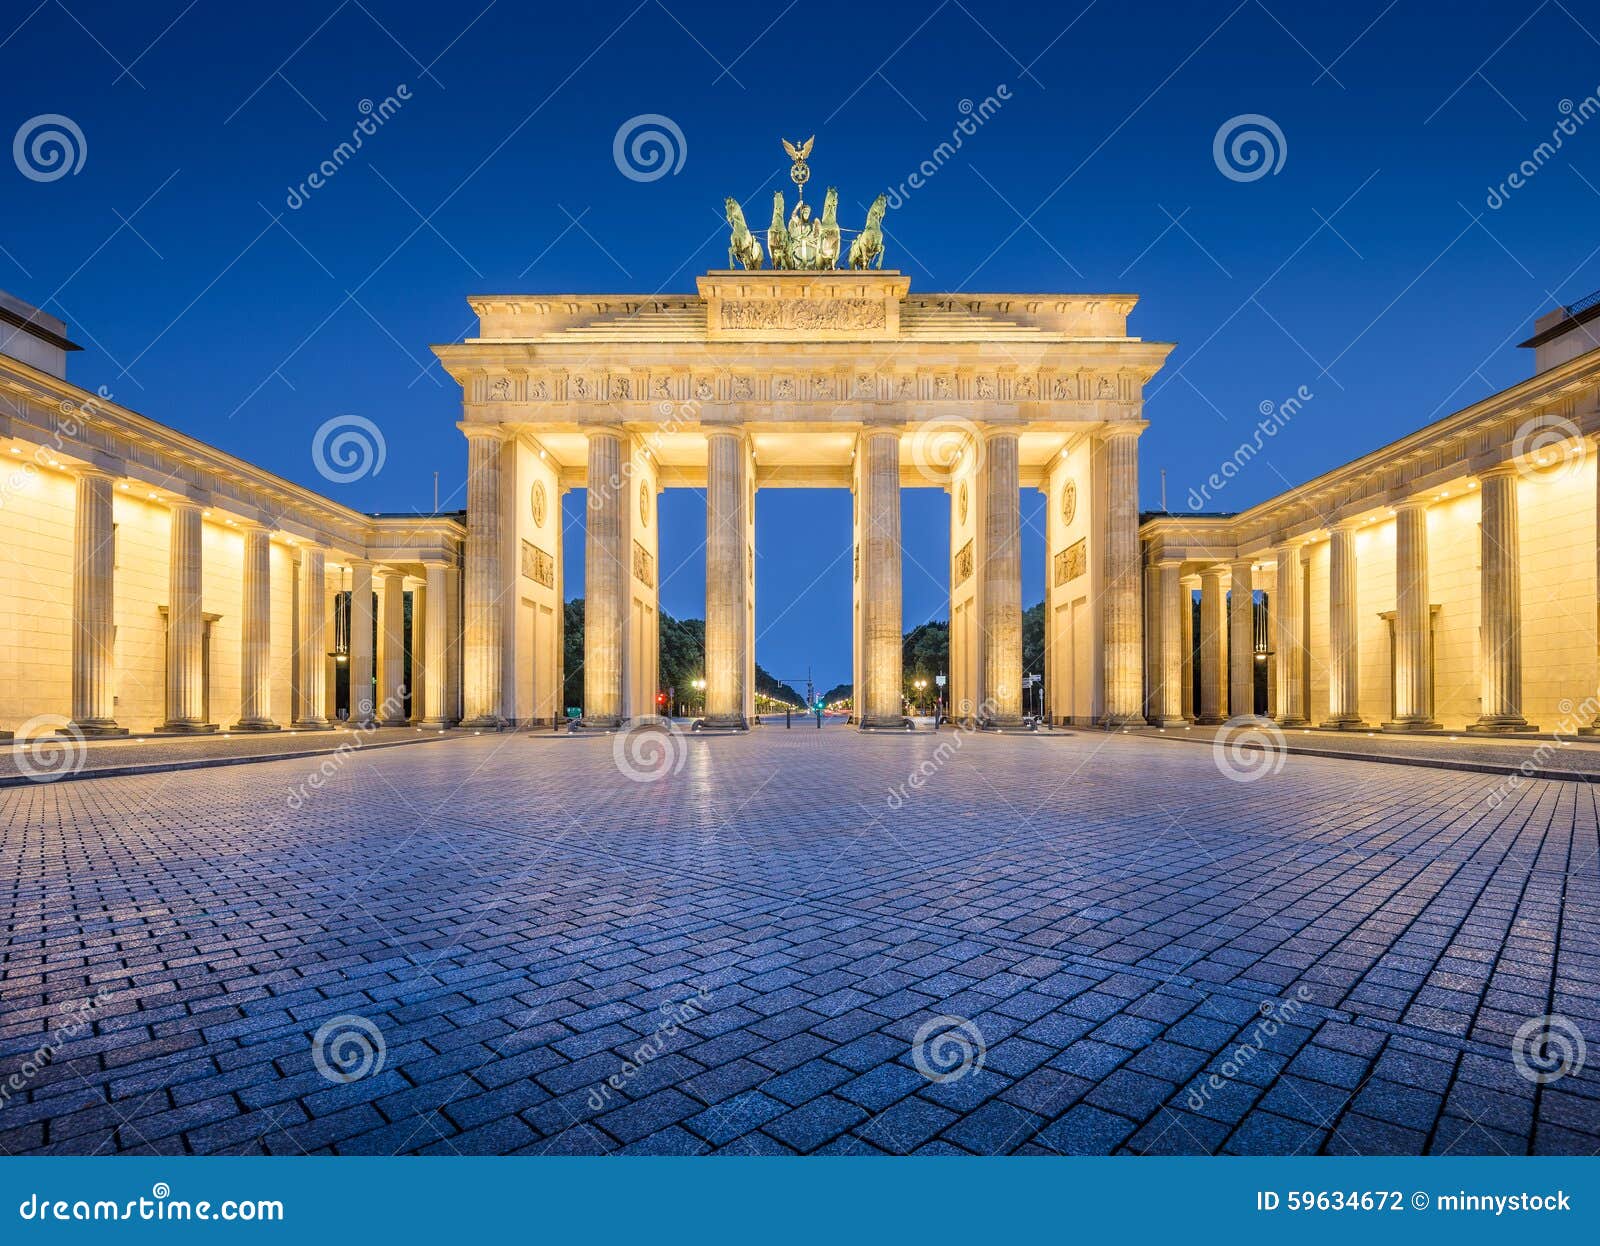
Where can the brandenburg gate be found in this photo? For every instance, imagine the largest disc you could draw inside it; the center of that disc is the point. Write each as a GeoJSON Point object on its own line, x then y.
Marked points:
{"type": "Point", "coordinates": [802, 376]}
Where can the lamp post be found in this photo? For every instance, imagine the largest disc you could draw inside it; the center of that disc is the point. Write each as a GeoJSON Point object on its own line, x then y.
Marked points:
{"type": "Point", "coordinates": [700, 687]}
{"type": "Point", "coordinates": [921, 686]}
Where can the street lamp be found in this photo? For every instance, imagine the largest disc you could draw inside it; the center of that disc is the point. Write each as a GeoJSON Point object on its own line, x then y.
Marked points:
{"type": "Point", "coordinates": [920, 685]}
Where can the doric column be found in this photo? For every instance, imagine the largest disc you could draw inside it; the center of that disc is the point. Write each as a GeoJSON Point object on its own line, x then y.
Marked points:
{"type": "Point", "coordinates": [436, 638]}
{"type": "Point", "coordinates": [1242, 639]}
{"type": "Point", "coordinates": [1002, 580]}
{"type": "Point", "coordinates": [391, 708]}
{"type": "Point", "coordinates": [880, 703]}
{"type": "Point", "coordinates": [1213, 625]}
{"type": "Point", "coordinates": [1500, 623]}
{"type": "Point", "coordinates": [1413, 625]}
{"type": "Point", "coordinates": [1344, 629]}
{"type": "Point", "coordinates": [1124, 643]}
{"type": "Point", "coordinates": [186, 688]}
{"type": "Point", "coordinates": [452, 666]}
{"type": "Point", "coordinates": [606, 578]}
{"type": "Point", "coordinates": [255, 632]}
{"type": "Point", "coordinates": [1288, 623]}
{"type": "Point", "coordinates": [1167, 698]}
{"type": "Point", "coordinates": [312, 638]}
{"type": "Point", "coordinates": [1186, 630]}
{"type": "Point", "coordinates": [93, 629]}
{"type": "Point", "coordinates": [727, 619]}
{"type": "Point", "coordinates": [363, 696]}
{"type": "Point", "coordinates": [484, 636]}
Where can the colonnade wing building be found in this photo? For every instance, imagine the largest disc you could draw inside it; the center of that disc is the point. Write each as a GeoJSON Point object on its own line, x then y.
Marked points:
{"type": "Point", "coordinates": [155, 583]}
{"type": "Point", "coordinates": [1446, 581]}
{"type": "Point", "coordinates": [794, 379]}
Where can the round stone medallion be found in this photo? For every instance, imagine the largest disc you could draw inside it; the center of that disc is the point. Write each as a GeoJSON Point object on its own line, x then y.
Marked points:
{"type": "Point", "coordinates": [538, 500]}
{"type": "Point", "coordinates": [1069, 501]}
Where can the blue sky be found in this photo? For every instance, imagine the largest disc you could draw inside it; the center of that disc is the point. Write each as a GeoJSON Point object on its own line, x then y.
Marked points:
{"type": "Point", "coordinates": [1369, 269]}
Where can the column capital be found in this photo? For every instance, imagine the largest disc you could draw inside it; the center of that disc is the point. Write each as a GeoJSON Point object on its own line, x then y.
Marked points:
{"type": "Point", "coordinates": [485, 432]}
{"type": "Point", "coordinates": [1123, 428]}
{"type": "Point", "coordinates": [1348, 524]}
{"type": "Point", "coordinates": [89, 471]}
{"type": "Point", "coordinates": [1499, 471]}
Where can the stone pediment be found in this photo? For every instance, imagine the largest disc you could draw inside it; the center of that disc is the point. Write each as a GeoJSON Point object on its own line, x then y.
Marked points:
{"type": "Point", "coordinates": [802, 306]}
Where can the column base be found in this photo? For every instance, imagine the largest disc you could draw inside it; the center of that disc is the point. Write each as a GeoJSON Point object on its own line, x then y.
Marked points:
{"type": "Point", "coordinates": [599, 722]}
{"type": "Point", "coordinates": [1293, 722]}
{"type": "Point", "coordinates": [437, 724]}
{"type": "Point", "coordinates": [1008, 726]}
{"type": "Point", "coordinates": [311, 724]}
{"type": "Point", "coordinates": [1346, 724]}
{"type": "Point", "coordinates": [1499, 726]}
{"type": "Point", "coordinates": [721, 726]}
{"type": "Point", "coordinates": [1420, 726]}
{"type": "Point", "coordinates": [394, 722]}
{"type": "Point", "coordinates": [485, 722]}
{"type": "Point", "coordinates": [897, 723]}
{"type": "Point", "coordinates": [185, 728]}
{"type": "Point", "coordinates": [1209, 720]}
{"type": "Point", "coordinates": [1115, 722]}
{"type": "Point", "coordinates": [1168, 721]}
{"type": "Point", "coordinates": [95, 727]}
{"type": "Point", "coordinates": [256, 724]}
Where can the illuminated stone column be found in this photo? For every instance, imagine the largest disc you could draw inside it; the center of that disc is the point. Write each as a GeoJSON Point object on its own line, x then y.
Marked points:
{"type": "Point", "coordinates": [1500, 626]}
{"type": "Point", "coordinates": [1167, 701]}
{"type": "Point", "coordinates": [255, 632]}
{"type": "Point", "coordinates": [93, 628]}
{"type": "Point", "coordinates": [363, 696]}
{"type": "Point", "coordinates": [312, 638]}
{"type": "Point", "coordinates": [1344, 629]}
{"type": "Point", "coordinates": [606, 576]}
{"type": "Point", "coordinates": [1213, 674]}
{"type": "Point", "coordinates": [186, 689]}
{"type": "Point", "coordinates": [1124, 625]}
{"type": "Point", "coordinates": [1186, 589]}
{"type": "Point", "coordinates": [1413, 625]}
{"type": "Point", "coordinates": [1002, 580]}
{"type": "Point", "coordinates": [452, 670]}
{"type": "Point", "coordinates": [436, 637]}
{"type": "Point", "coordinates": [727, 619]}
{"type": "Point", "coordinates": [1288, 623]}
{"type": "Point", "coordinates": [484, 636]}
{"type": "Point", "coordinates": [880, 703]}
{"type": "Point", "coordinates": [391, 708]}
{"type": "Point", "coordinates": [1242, 640]}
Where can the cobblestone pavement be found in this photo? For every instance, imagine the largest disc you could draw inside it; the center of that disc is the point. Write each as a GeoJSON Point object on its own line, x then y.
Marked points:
{"type": "Point", "coordinates": [1544, 756]}
{"type": "Point", "coordinates": [502, 944]}
{"type": "Point", "coordinates": [55, 757]}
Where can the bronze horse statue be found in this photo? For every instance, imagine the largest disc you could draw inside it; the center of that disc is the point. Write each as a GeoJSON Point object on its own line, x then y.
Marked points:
{"type": "Point", "coordinates": [829, 258]}
{"type": "Point", "coordinates": [778, 235]}
{"type": "Point", "coordinates": [742, 245]}
{"type": "Point", "coordinates": [867, 248]}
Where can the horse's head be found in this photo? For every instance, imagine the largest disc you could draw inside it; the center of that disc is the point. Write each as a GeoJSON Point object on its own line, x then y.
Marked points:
{"type": "Point", "coordinates": [777, 208]}
{"type": "Point", "coordinates": [880, 205]}
{"type": "Point", "coordinates": [830, 207]}
{"type": "Point", "coordinates": [735, 213]}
